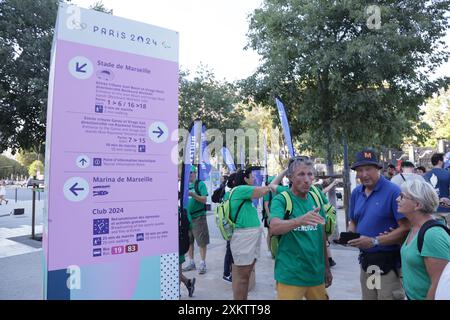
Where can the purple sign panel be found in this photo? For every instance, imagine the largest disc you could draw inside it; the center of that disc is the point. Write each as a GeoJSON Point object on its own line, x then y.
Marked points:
{"type": "Point", "coordinates": [112, 186]}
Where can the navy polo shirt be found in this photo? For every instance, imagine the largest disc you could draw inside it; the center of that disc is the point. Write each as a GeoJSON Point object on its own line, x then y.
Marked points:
{"type": "Point", "coordinates": [441, 183]}
{"type": "Point", "coordinates": [377, 212]}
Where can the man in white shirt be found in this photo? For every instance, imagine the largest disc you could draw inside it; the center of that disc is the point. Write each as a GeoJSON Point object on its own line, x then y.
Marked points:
{"type": "Point", "coordinates": [406, 174]}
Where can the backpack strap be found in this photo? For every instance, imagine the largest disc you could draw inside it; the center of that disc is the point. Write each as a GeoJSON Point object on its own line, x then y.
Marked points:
{"type": "Point", "coordinates": [329, 209]}
{"type": "Point", "coordinates": [401, 174]}
{"type": "Point", "coordinates": [316, 196]}
{"type": "Point", "coordinates": [264, 213]}
{"type": "Point", "coordinates": [427, 225]}
{"type": "Point", "coordinates": [196, 188]}
{"type": "Point", "coordinates": [240, 206]}
{"type": "Point", "coordinates": [288, 208]}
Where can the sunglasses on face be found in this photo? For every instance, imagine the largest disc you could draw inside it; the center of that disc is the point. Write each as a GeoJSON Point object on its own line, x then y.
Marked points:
{"type": "Point", "coordinates": [403, 196]}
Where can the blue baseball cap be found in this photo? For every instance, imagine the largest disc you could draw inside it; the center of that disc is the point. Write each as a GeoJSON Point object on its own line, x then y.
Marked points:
{"type": "Point", "coordinates": [367, 157]}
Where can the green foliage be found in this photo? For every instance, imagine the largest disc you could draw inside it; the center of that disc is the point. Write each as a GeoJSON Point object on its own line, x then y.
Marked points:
{"type": "Point", "coordinates": [10, 167]}
{"type": "Point", "coordinates": [35, 167]}
{"type": "Point", "coordinates": [338, 77]}
{"type": "Point", "coordinates": [437, 116]}
{"type": "Point", "coordinates": [206, 98]}
{"type": "Point", "coordinates": [26, 158]}
{"type": "Point", "coordinates": [99, 6]}
{"type": "Point", "coordinates": [26, 31]}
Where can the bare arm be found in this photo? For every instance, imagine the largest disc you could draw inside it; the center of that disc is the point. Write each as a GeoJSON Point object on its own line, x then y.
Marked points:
{"type": "Point", "coordinates": [398, 235]}
{"type": "Point", "coordinates": [331, 186]}
{"type": "Point", "coordinates": [275, 182]}
{"type": "Point", "coordinates": [260, 192]}
{"type": "Point", "coordinates": [434, 268]}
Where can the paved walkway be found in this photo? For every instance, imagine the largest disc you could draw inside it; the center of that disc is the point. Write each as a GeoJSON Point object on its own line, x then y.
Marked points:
{"type": "Point", "coordinates": [21, 263]}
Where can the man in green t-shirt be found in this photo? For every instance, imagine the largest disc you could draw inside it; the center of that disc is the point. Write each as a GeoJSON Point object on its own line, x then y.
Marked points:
{"type": "Point", "coordinates": [199, 230]}
{"type": "Point", "coordinates": [301, 265]}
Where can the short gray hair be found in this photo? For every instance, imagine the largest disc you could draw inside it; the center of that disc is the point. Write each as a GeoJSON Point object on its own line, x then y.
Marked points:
{"type": "Point", "coordinates": [297, 161]}
{"type": "Point", "coordinates": [422, 192]}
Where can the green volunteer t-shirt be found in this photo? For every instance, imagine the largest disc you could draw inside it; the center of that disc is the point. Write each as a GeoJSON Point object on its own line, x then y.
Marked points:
{"type": "Point", "coordinates": [226, 196]}
{"type": "Point", "coordinates": [248, 216]}
{"type": "Point", "coordinates": [300, 260]}
{"type": "Point", "coordinates": [416, 280]}
{"type": "Point", "coordinates": [196, 208]}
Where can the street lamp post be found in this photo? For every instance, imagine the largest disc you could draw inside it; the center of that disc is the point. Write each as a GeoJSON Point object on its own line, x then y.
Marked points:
{"type": "Point", "coordinates": [346, 182]}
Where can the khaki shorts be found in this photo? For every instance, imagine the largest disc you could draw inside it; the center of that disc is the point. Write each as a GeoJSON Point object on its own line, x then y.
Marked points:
{"type": "Point", "coordinates": [245, 245]}
{"type": "Point", "coordinates": [199, 232]}
{"type": "Point", "coordinates": [390, 286]}
{"type": "Point", "coordinates": [288, 292]}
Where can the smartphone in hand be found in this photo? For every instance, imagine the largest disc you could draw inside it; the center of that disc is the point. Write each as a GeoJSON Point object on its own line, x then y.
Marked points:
{"type": "Point", "coordinates": [345, 237]}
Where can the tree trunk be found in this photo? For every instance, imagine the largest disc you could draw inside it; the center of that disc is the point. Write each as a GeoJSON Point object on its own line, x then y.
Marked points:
{"type": "Point", "coordinates": [347, 188]}
{"type": "Point", "coordinates": [330, 171]}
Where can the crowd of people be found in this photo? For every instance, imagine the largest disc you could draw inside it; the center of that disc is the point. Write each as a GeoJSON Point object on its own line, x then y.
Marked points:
{"type": "Point", "coordinates": [398, 221]}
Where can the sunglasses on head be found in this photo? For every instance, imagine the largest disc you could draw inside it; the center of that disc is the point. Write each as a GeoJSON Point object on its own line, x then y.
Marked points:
{"type": "Point", "coordinates": [298, 158]}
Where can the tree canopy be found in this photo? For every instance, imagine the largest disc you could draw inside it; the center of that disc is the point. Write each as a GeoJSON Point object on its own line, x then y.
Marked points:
{"type": "Point", "coordinates": [26, 31]}
{"type": "Point", "coordinates": [35, 167]}
{"type": "Point", "coordinates": [206, 98]}
{"type": "Point", "coordinates": [10, 167]}
{"type": "Point", "coordinates": [340, 75]}
{"type": "Point", "coordinates": [437, 116]}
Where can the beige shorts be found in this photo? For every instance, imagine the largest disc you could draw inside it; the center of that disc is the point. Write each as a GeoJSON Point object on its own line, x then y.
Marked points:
{"type": "Point", "coordinates": [390, 286]}
{"type": "Point", "coordinates": [245, 245]}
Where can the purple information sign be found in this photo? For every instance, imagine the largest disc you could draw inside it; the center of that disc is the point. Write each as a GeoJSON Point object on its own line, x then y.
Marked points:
{"type": "Point", "coordinates": [111, 226]}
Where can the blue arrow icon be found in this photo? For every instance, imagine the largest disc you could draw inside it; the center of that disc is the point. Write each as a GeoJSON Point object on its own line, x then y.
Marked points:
{"type": "Point", "coordinates": [79, 68]}
{"type": "Point", "coordinates": [73, 189]}
{"type": "Point", "coordinates": [160, 132]}
{"type": "Point", "coordinates": [83, 162]}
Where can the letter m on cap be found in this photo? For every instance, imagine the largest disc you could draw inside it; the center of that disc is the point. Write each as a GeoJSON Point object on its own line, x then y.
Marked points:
{"type": "Point", "coordinates": [368, 155]}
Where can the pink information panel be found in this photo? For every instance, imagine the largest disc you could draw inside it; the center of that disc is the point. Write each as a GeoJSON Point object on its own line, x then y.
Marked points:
{"type": "Point", "coordinates": [111, 211]}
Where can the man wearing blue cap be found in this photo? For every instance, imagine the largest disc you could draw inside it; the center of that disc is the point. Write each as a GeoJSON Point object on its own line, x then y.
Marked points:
{"type": "Point", "coordinates": [373, 212]}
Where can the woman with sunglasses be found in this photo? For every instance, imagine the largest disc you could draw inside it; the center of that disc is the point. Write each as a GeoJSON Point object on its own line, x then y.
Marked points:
{"type": "Point", "coordinates": [422, 270]}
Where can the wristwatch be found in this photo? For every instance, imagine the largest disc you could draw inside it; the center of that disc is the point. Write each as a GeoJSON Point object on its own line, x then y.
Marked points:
{"type": "Point", "coordinates": [375, 241]}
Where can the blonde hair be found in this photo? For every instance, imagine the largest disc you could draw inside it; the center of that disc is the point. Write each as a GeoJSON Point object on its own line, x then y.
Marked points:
{"type": "Point", "coordinates": [422, 192]}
